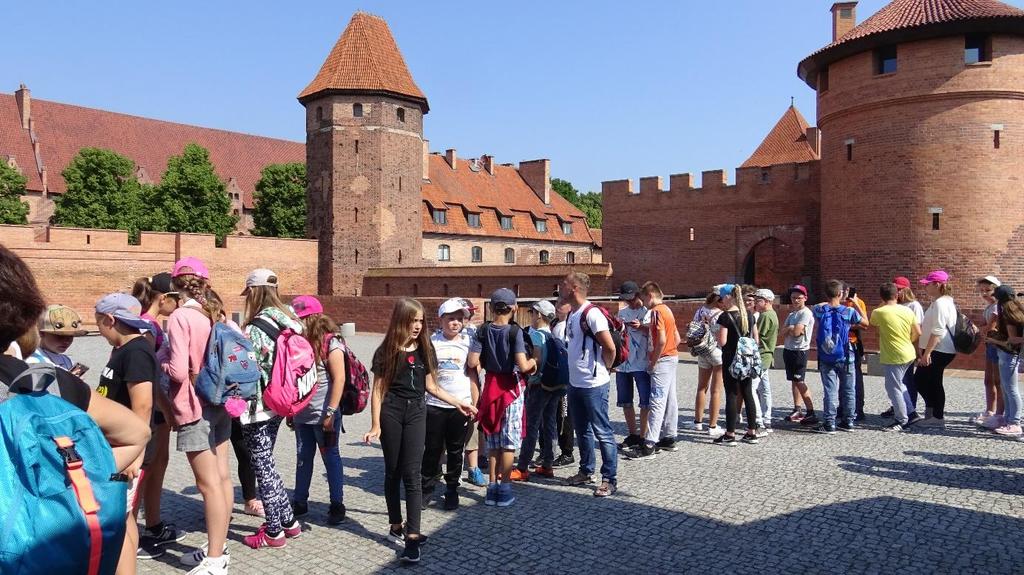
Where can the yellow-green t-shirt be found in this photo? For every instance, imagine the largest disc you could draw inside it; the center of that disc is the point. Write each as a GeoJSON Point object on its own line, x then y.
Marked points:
{"type": "Point", "coordinates": [895, 324]}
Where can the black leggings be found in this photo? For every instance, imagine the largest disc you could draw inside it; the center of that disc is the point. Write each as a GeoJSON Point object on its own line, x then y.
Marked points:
{"type": "Point", "coordinates": [446, 432]}
{"type": "Point", "coordinates": [403, 427]}
{"type": "Point", "coordinates": [733, 387]}
{"type": "Point", "coordinates": [928, 380]}
{"type": "Point", "coordinates": [246, 476]}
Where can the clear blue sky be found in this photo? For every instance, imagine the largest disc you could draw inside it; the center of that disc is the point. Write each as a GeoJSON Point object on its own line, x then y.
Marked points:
{"type": "Point", "coordinates": [606, 90]}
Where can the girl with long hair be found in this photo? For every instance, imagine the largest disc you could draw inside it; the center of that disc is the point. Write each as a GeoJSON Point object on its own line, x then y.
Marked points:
{"type": "Point", "coordinates": [906, 298]}
{"type": "Point", "coordinates": [734, 323]}
{"type": "Point", "coordinates": [937, 350]}
{"type": "Point", "coordinates": [991, 418]}
{"type": "Point", "coordinates": [203, 430]}
{"type": "Point", "coordinates": [265, 310]}
{"type": "Point", "coordinates": [404, 369]}
{"type": "Point", "coordinates": [709, 372]}
{"type": "Point", "coordinates": [1008, 339]}
{"type": "Point", "coordinates": [318, 425]}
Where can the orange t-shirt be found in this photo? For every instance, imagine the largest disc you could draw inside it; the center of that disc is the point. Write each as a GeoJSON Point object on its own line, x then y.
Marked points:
{"type": "Point", "coordinates": [663, 320]}
{"type": "Point", "coordinates": [857, 304]}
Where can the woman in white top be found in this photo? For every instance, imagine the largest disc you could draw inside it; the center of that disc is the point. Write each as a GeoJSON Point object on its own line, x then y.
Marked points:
{"type": "Point", "coordinates": [936, 345]}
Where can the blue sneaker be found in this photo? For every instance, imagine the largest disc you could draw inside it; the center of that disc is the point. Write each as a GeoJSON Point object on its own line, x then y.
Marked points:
{"type": "Point", "coordinates": [505, 497]}
{"type": "Point", "coordinates": [476, 477]}
{"type": "Point", "coordinates": [492, 495]}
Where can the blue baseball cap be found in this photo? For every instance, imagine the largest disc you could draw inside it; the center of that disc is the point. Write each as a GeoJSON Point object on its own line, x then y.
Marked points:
{"type": "Point", "coordinates": [124, 308]}
{"type": "Point", "coordinates": [503, 297]}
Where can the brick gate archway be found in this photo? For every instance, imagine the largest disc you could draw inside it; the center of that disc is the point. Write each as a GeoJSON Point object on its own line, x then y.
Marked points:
{"type": "Point", "coordinates": [770, 256]}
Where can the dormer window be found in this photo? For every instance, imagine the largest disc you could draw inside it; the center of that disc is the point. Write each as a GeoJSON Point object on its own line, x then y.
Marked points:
{"type": "Point", "coordinates": [540, 225]}
{"type": "Point", "coordinates": [473, 220]}
{"type": "Point", "coordinates": [567, 228]}
{"type": "Point", "coordinates": [440, 217]}
{"type": "Point", "coordinates": [506, 222]}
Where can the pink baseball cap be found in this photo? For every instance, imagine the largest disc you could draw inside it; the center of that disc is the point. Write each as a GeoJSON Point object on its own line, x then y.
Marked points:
{"type": "Point", "coordinates": [306, 305]}
{"type": "Point", "coordinates": [190, 265]}
{"type": "Point", "coordinates": [935, 276]}
{"type": "Point", "coordinates": [901, 282]}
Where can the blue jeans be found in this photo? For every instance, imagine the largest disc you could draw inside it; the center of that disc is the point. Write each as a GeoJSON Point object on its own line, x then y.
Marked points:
{"type": "Point", "coordinates": [589, 410]}
{"type": "Point", "coordinates": [838, 381]}
{"type": "Point", "coordinates": [308, 438]}
{"type": "Point", "coordinates": [1008, 383]}
{"type": "Point", "coordinates": [542, 424]}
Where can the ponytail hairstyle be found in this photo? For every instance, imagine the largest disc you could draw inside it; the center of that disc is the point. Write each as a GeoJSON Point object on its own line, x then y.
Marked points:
{"type": "Point", "coordinates": [737, 293]}
{"type": "Point", "coordinates": [144, 292]}
{"type": "Point", "coordinates": [399, 329]}
{"type": "Point", "coordinates": [198, 288]}
{"type": "Point", "coordinates": [712, 299]}
{"type": "Point", "coordinates": [316, 327]}
{"type": "Point", "coordinates": [905, 295]}
{"type": "Point", "coordinates": [259, 298]}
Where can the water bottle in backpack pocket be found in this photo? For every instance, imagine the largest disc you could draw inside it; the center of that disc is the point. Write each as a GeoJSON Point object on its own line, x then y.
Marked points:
{"type": "Point", "coordinates": [229, 369]}
{"type": "Point", "coordinates": [62, 510]}
{"type": "Point", "coordinates": [293, 377]}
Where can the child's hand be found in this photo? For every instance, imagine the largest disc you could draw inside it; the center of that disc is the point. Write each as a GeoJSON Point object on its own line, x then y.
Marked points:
{"type": "Point", "coordinates": [467, 409]}
{"type": "Point", "coordinates": [372, 435]}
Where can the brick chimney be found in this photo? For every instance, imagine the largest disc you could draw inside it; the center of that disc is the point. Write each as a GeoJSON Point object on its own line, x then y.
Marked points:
{"type": "Point", "coordinates": [450, 156]}
{"type": "Point", "coordinates": [814, 139]}
{"type": "Point", "coordinates": [844, 18]}
{"type": "Point", "coordinates": [537, 174]}
{"type": "Point", "coordinates": [488, 162]}
{"type": "Point", "coordinates": [426, 159]}
{"type": "Point", "coordinates": [23, 96]}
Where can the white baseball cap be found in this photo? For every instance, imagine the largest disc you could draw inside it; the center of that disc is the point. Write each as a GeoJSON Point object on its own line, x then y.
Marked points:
{"type": "Point", "coordinates": [765, 294]}
{"type": "Point", "coordinates": [260, 277]}
{"type": "Point", "coordinates": [544, 308]}
{"type": "Point", "coordinates": [453, 305]}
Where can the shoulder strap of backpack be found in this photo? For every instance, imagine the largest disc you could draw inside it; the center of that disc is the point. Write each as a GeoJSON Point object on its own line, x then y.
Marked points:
{"type": "Point", "coordinates": [267, 327]}
{"type": "Point", "coordinates": [37, 377]}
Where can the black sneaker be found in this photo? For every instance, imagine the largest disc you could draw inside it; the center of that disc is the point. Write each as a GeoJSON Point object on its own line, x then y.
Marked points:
{"type": "Point", "coordinates": [563, 460]}
{"type": "Point", "coordinates": [666, 444]}
{"type": "Point", "coordinates": [336, 514]}
{"type": "Point", "coordinates": [889, 412]}
{"type": "Point", "coordinates": [860, 417]}
{"type": "Point", "coordinates": [397, 535]}
{"type": "Point", "coordinates": [451, 499]}
{"type": "Point", "coordinates": [412, 551]}
{"type": "Point", "coordinates": [631, 441]}
{"type": "Point", "coordinates": [913, 418]}
{"type": "Point", "coordinates": [810, 420]}
{"type": "Point", "coordinates": [300, 509]}
{"type": "Point", "coordinates": [152, 540]}
{"type": "Point", "coordinates": [639, 452]}
{"type": "Point", "coordinates": [845, 426]}
{"type": "Point", "coordinates": [894, 426]}
{"type": "Point", "coordinates": [726, 440]}
{"type": "Point", "coordinates": [750, 438]}
{"type": "Point", "coordinates": [147, 552]}
{"type": "Point", "coordinates": [825, 428]}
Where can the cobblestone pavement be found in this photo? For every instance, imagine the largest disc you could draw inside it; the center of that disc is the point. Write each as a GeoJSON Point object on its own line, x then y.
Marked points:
{"type": "Point", "coordinates": [860, 502]}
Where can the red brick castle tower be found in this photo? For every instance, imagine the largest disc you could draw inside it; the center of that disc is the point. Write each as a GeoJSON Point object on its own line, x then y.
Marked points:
{"type": "Point", "coordinates": [921, 111]}
{"type": "Point", "coordinates": [364, 157]}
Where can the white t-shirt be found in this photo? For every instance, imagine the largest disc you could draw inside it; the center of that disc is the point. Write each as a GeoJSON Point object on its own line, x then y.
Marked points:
{"type": "Point", "coordinates": [451, 368]}
{"type": "Point", "coordinates": [806, 318]}
{"type": "Point", "coordinates": [915, 306]}
{"type": "Point", "coordinates": [559, 331]}
{"type": "Point", "coordinates": [638, 338]}
{"type": "Point", "coordinates": [586, 368]}
{"type": "Point", "coordinates": [940, 319]}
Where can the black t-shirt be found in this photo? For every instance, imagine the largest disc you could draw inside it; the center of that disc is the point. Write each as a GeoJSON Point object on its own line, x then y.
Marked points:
{"type": "Point", "coordinates": [131, 363]}
{"type": "Point", "coordinates": [410, 379]}
{"type": "Point", "coordinates": [731, 321]}
{"type": "Point", "coordinates": [68, 387]}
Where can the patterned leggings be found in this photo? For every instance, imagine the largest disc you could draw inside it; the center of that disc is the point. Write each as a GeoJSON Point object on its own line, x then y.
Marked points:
{"type": "Point", "coordinates": [260, 438]}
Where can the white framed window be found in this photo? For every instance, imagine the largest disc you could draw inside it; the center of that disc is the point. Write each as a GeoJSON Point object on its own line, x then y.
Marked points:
{"type": "Point", "coordinates": [444, 253]}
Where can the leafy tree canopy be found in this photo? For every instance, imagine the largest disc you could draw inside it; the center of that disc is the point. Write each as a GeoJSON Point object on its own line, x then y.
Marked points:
{"type": "Point", "coordinates": [588, 203]}
{"type": "Point", "coordinates": [280, 209]}
{"type": "Point", "coordinates": [102, 192]}
{"type": "Point", "coordinates": [12, 187]}
{"type": "Point", "coordinates": [191, 198]}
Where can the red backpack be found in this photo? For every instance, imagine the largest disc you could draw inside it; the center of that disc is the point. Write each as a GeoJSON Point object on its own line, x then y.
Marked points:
{"type": "Point", "coordinates": [356, 394]}
{"type": "Point", "coordinates": [616, 328]}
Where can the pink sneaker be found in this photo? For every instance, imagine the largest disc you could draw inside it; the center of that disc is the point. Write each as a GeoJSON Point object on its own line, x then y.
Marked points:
{"type": "Point", "coordinates": [992, 422]}
{"type": "Point", "coordinates": [261, 539]}
{"type": "Point", "coordinates": [293, 532]}
{"type": "Point", "coordinates": [1008, 430]}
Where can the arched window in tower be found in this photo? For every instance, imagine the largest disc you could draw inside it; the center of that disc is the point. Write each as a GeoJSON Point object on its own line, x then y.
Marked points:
{"type": "Point", "coordinates": [401, 115]}
{"type": "Point", "coordinates": [357, 110]}
{"type": "Point", "coordinates": [357, 256]}
{"type": "Point", "coordinates": [357, 214]}
{"type": "Point", "coordinates": [545, 257]}
{"type": "Point", "coordinates": [415, 289]}
{"type": "Point", "coordinates": [319, 114]}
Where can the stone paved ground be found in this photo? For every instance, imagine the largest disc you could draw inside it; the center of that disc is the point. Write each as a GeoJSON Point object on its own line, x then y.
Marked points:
{"type": "Point", "coordinates": [861, 502]}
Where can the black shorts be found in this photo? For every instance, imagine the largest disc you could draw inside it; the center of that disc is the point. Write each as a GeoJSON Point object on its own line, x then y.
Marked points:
{"type": "Point", "coordinates": [796, 363]}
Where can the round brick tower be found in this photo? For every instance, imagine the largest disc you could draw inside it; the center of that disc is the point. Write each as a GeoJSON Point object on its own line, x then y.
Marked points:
{"type": "Point", "coordinates": [921, 111]}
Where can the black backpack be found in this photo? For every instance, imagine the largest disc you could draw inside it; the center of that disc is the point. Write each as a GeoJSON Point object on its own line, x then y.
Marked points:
{"type": "Point", "coordinates": [966, 335]}
{"type": "Point", "coordinates": [555, 371]}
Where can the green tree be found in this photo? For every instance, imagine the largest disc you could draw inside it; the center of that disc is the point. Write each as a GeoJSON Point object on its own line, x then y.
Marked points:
{"type": "Point", "coordinates": [280, 209]}
{"type": "Point", "coordinates": [588, 203]}
{"type": "Point", "coordinates": [191, 198]}
{"type": "Point", "coordinates": [102, 192]}
{"type": "Point", "coordinates": [12, 187]}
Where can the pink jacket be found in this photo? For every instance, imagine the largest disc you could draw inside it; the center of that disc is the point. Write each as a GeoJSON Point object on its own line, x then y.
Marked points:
{"type": "Point", "coordinates": [188, 330]}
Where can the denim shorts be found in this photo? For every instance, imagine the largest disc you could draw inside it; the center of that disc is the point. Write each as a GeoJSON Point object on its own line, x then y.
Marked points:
{"type": "Point", "coordinates": [624, 388]}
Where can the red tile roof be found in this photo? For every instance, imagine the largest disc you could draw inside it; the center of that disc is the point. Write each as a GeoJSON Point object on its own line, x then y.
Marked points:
{"type": "Point", "coordinates": [598, 236]}
{"type": "Point", "coordinates": [365, 58]}
{"type": "Point", "coordinates": [63, 130]}
{"type": "Point", "coordinates": [926, 18]}
{"type": "Point", "coordinates": [786, 143]}
{"type": "Point", "coordinates": [464, 190]}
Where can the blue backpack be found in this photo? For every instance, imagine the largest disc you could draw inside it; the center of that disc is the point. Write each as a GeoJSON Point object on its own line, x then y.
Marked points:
{"type": "Point", "coordinates": [555, 371]}
{"type": "Point", "coordinates": [62, 503]}
{"type": "Point", "coordinates": [834, 334]}
{"type": "Point", "coordinates": [230, 367]}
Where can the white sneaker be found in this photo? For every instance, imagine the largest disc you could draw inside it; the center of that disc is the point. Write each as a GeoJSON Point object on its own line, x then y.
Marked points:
{"type": "Point", "coordinates": [716, 432]}
{"type": "Point", "coordinates": [197, 556]}
{"type": "Point", "coordinates": [694, 426]}
{"type": "Point", "coordinates": [212, 566]}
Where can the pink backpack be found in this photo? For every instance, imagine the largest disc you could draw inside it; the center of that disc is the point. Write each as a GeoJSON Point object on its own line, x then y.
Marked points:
{"type": "Point", "coordinates": [293, 377]}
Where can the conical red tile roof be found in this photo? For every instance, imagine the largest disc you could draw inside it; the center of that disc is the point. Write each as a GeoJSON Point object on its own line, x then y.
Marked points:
{"type": "Point", "coordinates": [365, 59]}
{"type": "Point", "coordinates": [903, 20]}
{"type": "Point", "coordinates": [786, 143]}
